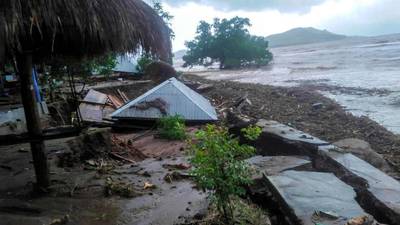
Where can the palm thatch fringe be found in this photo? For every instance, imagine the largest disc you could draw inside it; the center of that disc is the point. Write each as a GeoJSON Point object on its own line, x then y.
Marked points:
{"type": "Point", "coordinates": [80, 28]}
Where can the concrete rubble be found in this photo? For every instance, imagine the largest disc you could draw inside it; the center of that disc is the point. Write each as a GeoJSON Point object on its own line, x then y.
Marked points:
{"type": "Point", "coordinates": [309, 195]}
{"type": "Point", "coordinates": [308, 177]}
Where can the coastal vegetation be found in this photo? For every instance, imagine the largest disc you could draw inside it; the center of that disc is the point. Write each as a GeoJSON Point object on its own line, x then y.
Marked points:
{"type": "Point", "coordinates": [219, 166]}
{"type": "Point", "coordinates": [229, 43]}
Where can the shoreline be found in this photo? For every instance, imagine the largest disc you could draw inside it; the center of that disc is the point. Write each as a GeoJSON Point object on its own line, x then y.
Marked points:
{"type": "Point", "coordinates": [307, 110]}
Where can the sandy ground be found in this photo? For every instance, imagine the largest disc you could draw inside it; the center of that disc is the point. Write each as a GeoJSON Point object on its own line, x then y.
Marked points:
{"type": "Point", "coordinates": [306, 110]}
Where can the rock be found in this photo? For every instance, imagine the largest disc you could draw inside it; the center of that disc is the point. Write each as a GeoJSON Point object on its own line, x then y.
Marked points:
{"type": "Point", "coordinates": [159, 71]}
{"type": "Point", "coordinates": [377, 192]}
{"type": "Point", "coordinates": [363, 150]}
{"type": "Point", "coordinates": [312, 198]}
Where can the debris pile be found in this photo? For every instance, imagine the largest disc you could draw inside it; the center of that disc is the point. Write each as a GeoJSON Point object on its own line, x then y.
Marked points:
{"type": "Point", "coordinates": [94, 143]}
{"type": "Point", "coordinates": [125, 151]}
{"type": "Point", "coordinates": [96, 106]}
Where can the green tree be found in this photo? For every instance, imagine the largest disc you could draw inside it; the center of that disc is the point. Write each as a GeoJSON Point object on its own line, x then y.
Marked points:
{"type": "Point", "coordinates": [143, 62]}
{"type": "Point", "coordinates": [229, 43]}
{"type": "Point", "coordinates": [219, 166]}
{"type": "Point", "coordinates": [165, 15]}
{"type": "Point", "coordinates": [103, 65]}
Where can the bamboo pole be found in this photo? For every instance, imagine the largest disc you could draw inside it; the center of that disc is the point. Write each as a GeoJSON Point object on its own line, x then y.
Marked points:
{"type": "Point", "coordinates": [24, 64]}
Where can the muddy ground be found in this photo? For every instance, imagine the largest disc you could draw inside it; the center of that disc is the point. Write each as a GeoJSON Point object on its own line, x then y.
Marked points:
{"type": "Point", "coordinates": [101, 190]}
{"type": "Point", "coordinates": [307, 110]}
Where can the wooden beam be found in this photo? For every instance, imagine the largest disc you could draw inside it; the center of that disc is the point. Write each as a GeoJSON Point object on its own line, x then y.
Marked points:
{"type": "Point", "coordinates": [50, 134]}
{"type": "Point", "coordinates": [24, 64]}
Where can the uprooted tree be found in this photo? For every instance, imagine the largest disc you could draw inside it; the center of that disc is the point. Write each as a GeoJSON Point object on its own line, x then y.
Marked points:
{"type": "Point", "coordinates": [229, 43]}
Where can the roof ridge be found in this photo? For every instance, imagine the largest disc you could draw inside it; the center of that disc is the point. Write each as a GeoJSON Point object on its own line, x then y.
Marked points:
{"type": "Point", "coordinates": [136, 100]}
{"type": "Point", "coordinates": [192, 100]}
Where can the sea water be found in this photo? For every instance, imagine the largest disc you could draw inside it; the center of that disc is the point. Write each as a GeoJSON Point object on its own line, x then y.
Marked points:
{"type": "Point", "coordinates": [368, 67]}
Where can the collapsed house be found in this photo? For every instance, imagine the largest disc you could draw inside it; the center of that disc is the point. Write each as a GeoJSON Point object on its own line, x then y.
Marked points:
{"type": "Point", "coordinates": [170, 98]}
{"type": "Point", "coordinates": [97, 106]}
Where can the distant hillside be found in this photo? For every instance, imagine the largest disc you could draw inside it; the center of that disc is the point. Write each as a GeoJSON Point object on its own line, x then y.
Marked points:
{"type": "Point", "coordinates": [298, 36]}
{"type": "Point", "coordinates": [179, 54]}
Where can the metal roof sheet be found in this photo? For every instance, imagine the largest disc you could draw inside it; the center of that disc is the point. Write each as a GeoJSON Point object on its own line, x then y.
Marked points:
{"type": "Point", "coordinates": [175, 97]}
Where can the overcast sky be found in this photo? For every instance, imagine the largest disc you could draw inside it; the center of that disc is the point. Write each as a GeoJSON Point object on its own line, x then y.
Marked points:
{"type": "Point", "coordinates": [350, 17]}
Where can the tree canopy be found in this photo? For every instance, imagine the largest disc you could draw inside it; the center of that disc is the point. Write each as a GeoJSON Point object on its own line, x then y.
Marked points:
{"type": "Point", "coordinates": [229, 43]}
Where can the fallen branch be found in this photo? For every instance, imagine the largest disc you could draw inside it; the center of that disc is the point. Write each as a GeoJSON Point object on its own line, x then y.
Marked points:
{"type": "Point", "coordinates": [115, 155]}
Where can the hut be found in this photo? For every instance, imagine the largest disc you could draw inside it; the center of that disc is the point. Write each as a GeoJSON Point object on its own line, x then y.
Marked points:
{"type": "Point", "coordinates": [169, 98]}
{"type": "Point", "coordinates": [34, 31]}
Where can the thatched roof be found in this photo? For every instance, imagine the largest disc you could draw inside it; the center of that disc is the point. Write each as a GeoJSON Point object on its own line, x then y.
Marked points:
{"type": "Point", "coordinates": [80, 28]}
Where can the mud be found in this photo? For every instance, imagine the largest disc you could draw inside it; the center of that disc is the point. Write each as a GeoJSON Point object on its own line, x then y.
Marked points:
{"type": "Point", "coordinates": [78, 194]}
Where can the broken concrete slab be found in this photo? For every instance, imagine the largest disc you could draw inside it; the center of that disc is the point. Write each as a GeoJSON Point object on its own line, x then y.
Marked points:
{"type": "Point", "coordinates": [280, 139]}
{"type": "Point", "coordinates": [314, 197]}
{"type": "Point", "coordinates": [377, 192]}
{"type": "Point", "coordinates": [273, 165]}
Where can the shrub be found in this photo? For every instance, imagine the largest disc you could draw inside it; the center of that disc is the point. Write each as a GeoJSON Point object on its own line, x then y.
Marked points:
{"type": "Point", "coordinates": [252, 132]}
{"type": "Point", "coordinates": [172, 127]}
{"type": "Point", "coordinates": [219, 166]}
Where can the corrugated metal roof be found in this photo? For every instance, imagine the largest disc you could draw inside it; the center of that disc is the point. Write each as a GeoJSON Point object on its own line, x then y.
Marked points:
{"type": "Point", "coordinates": [175, 98]}
{"type": "Point", "coordinates": [125, 64]}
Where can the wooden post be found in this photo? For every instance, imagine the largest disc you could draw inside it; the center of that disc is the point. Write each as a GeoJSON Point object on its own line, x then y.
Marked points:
{"type": "Point", "coordinates": [24, 64]}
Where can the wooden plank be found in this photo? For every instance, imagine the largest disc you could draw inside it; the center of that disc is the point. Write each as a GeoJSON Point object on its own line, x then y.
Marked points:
{"type": "Point", "coordinates": [95, 97]}
{"type": "Point", "coordinates": [48, 134]}
{"type": "Point", "coordinates": [116, 102]}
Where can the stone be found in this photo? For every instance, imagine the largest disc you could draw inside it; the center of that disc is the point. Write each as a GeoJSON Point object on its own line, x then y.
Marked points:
{"type": "Point", "coordinates": [363, 150]}
{"type": "Point", "coordinates": [280, 139]}
{"type": "Point", "coordinates": [379, 193]}
{"type": "Point", "coordinates": [312, 197]}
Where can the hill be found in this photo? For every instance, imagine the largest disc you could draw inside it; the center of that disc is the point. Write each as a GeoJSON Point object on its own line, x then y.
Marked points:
{"type": "Point", "coordinates": [299, 36]}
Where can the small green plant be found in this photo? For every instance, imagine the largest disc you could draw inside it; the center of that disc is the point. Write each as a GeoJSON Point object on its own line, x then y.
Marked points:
{"type": "Point", "coordinates": [252, 132]}
{"type": "Point", "coordinates": [172, 128]}
{"type": "Point", "coordinates": [219, 166]}
{"type": "Point", "coordinates": [143, 62]}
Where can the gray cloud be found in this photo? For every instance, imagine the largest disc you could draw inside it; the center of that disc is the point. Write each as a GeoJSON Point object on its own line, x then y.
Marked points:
{"type": "Point", "coordinates": [383, 17]}
{"type": "Point", "coordinates": [299, 6]}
